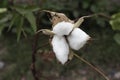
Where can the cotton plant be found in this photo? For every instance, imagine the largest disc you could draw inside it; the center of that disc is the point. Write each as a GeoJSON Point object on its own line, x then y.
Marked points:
{"type": "Point", "coordinates": [66, 36]}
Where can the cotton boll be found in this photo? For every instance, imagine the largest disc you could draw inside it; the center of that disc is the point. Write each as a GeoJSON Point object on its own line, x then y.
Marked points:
{"type": "Point", "coordinates": [63, 28]}
{"type": "Point", "coordinates": [77, 39]}
{"type": "Point", "coordinates": [61, 48]}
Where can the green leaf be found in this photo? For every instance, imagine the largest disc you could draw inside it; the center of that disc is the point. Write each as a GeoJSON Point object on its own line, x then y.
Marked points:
{"type": "Point", "coordinates": [20, 10]}
{"type": "Point", "coordinates": [5, 18]}
{"type": "Point", "coordinates": [2, 10]}
{"type": "Point", "coordinates": [117, 15]}
{"type": "Point", "coordinates": [115, 21]}
{"type": "Point", "coordinates": [19, 28]}
{"type": "Point", "coordinates": [2, 26]}
{"type": "Point", "coordinates": [14, 19]}
{"type": "Point", "coordinates": [117, 38]}
{"type": "Point", "coordinates": [24, 33]}
{"type": "Point", "coordinates": [31, 19]}
{"type": "Point", "coordinates": [25, 9]}
{"type": "Point", "coordinates": [32, 8]}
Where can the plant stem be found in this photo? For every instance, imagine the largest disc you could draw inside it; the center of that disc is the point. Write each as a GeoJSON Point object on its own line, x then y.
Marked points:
{"type": "Point", "coordinates": [34, 49]}
{"type": "Point", "coordinates": [98, 14]}
{"type": "Point", "coordinates": [96, 69]}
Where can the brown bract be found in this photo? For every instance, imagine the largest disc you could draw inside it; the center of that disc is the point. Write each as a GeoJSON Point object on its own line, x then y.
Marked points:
{"type": "Point", "coordinates": [58, 17]}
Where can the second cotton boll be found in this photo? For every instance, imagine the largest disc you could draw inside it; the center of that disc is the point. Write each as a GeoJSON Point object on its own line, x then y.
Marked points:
{"type": "Point", "coordinates": [77, 39]}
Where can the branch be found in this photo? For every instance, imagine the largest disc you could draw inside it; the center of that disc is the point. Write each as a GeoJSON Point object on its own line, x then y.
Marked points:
{"type": "Point", "coordinates": [34, 50]}
{"type": "Point", "coordinates": [98, 14]}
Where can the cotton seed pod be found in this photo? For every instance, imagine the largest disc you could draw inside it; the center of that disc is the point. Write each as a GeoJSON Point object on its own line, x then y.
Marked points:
{"type": "Point", "coordinates": [77, 39]}
{"type": "Point", "coordinates": [63, 28]}
{"type": "Point", "coordinates": [60, 48]}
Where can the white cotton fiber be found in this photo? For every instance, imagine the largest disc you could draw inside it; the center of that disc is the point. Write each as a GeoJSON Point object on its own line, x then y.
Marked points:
{"type": "Point", "coordinates": [77, 39]}
{"type": "Point", "coordinates": [61, 48]}
{"type": "Point", "coordinates": [63, 28]}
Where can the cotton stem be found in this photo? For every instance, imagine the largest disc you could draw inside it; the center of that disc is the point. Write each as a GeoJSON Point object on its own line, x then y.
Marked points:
{"type": "Point", "coordinates": [34, 50]}
{"type": "Point", "coordinates": [96, 69]}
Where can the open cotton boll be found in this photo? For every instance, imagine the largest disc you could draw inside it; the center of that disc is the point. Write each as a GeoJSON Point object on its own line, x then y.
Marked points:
{"type": "Point", "coordinates": [77, 39]}
{"type": "Point", "coordinates": [63, 28]}
{"type": "Point", "coordinates": [61, 48]}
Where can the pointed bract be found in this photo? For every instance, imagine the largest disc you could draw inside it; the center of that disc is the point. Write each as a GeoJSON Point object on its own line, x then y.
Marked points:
{"type": "Point", "coordinates": [63, 28]}
{"type": "Point", "coordinates": [79, 22]}
{"type": "Point", "coordinates": [77, 39]}
{"type": "Point", "coordinates": [60, 48]}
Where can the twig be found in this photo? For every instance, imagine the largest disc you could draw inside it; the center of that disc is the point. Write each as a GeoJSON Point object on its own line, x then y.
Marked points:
{"type": "Point", "coordinates": [34, 49]}
{"type": "Point", "coordinates": [98, 14]}
{"type": "Point", "coordinates": [96, 69]}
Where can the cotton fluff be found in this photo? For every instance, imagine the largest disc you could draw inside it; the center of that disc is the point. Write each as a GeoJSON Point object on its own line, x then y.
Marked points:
{"type": "Point", "coordinates": [77, 39]}
{"type": "Point", "coordinates": [61, 48]}
{"type": "Point", "coordinates": [63, 28]}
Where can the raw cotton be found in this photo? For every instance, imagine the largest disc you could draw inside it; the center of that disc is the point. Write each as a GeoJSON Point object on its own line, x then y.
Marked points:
{"type": "Point", "coordinates": [63, 28]}
{"type": "Point", "coordinates": [61, 48]}
{"type": "Point", "coordinates": [77, 39]}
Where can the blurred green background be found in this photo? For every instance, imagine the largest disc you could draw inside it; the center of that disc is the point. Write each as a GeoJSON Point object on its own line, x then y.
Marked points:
{"type": "Point", "coordinates": [20, 19]}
